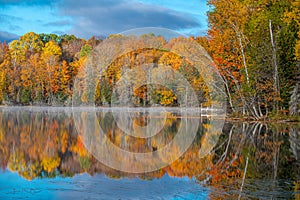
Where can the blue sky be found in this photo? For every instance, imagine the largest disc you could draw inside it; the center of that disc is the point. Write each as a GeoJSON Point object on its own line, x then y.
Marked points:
{"type": "Point", "coordinates": [85, 18]}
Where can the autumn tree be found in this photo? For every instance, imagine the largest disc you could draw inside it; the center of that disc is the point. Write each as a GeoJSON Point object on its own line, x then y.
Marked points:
{"type": "Point", "coordinates": [20, 51]}
{"type": "Point", "coordinates": [50, 56]}
{"type": "Point", "coordinates": [4, 65]}
{"type": "Point", "coordinates": [253, 49]}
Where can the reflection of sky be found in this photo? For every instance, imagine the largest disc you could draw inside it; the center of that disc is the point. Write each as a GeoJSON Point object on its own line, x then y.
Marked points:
{"type": "Point", "coordinates": [85, 186]}
{"type": "Point", "coordinates": [85, 18]}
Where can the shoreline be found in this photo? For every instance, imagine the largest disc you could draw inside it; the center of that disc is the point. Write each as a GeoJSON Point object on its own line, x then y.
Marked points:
{"type": "Point", "coordinates": [204, 112]}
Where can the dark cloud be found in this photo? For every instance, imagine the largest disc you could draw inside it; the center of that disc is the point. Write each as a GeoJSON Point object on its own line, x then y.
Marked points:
{"type": "Point", "coordinates": [100, 17]}
{"type": "Point", "coordinates": [58, 23]}
{"type": "Point", "coordinates": [6, 36]}
{"type": "Point", "coordinates": [92, 17]}
{"type": "Point", "coordinates": [83, 4]}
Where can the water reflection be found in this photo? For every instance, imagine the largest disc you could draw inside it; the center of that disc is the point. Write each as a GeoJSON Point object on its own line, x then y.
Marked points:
{"type": "Point", "coordinates": [250, 160]}
{"type": "Point", "coordinates": [145, 140]}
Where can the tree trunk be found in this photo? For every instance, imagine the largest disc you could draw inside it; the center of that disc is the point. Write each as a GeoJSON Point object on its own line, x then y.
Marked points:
{"type": "Point", "coordinates": [276, 78]}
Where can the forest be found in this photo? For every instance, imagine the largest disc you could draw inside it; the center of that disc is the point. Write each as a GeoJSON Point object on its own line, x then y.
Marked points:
{"type": "Point", "coordinates": [254, 45]}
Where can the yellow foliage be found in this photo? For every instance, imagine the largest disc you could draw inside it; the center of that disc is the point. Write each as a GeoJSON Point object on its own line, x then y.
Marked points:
{"type": "Point", "coordinates": [50, 163]}
{"type": "Point", "coordinates": [51, 48]}
{"type": "Point", "coordinates": [167, 97]}
{"type": "Point", "coordinates": [2, 84]}
{"type": "Point", "coordinates": [79, 148]}
{"type": "Point", "coordinates": [293, 15]}
{"type": "Point", "coordinates": [297, 189]}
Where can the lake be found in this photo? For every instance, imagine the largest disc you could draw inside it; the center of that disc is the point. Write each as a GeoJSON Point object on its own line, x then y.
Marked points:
{"type": "Point", "coordinates": [55, 153]}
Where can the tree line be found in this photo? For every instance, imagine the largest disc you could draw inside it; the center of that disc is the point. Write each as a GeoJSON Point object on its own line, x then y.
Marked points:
{"type": "Point", "coordinates": [254, 44]}
{"type": "Point", "coordinates": [40, 68]}
{"type": "Point", "coordinates": [256, 47]}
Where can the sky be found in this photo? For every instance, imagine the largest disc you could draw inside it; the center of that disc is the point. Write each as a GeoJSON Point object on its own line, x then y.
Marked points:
{"type": "Point", "coordinates": [86, 18]}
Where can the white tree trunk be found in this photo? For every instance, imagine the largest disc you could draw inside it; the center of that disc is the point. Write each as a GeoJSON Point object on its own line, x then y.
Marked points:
{"type": "Point", "coordinates": [276, 79]}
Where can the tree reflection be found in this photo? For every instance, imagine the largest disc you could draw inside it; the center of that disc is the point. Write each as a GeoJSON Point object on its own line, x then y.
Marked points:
{"type": "Point", "coordinates": [44, 143]}
{"type": "Point", "coordinates": [269, 149]}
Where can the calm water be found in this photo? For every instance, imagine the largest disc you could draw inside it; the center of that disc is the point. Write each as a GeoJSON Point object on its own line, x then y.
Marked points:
{"type": "Point", "coordinates": [45, 154]}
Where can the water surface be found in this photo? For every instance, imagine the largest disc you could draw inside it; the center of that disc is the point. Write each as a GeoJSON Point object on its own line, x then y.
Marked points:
{"type": "Point", "coordinates": [43, 156]}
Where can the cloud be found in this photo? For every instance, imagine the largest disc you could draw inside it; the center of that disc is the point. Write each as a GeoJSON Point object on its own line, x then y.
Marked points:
{"type": "Point", "coordinates": [6, 36]}
{"type": "Point", "coordinates": [8, 20]}
{"type": "Point", "coordinates": [27, 2]}
{"type": "Point", "coordinates": [58, 32]}
{"type": "Point", "coordinates": [85, 18]}
{"type": "Point", "coordinates": [92, 17]}
{"type": "Point", "coordinates": [58, 23]}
